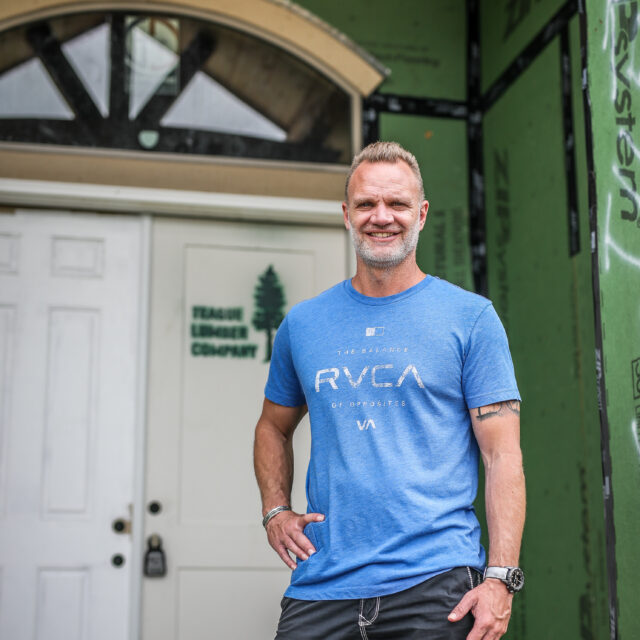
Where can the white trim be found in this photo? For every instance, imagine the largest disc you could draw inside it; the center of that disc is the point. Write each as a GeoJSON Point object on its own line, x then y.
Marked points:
{"type": "Point", "coordinates": [140, 444]}
{"type": "Point", "coordinates": [108, 198]}
{"type": "Point", "coordinates": [185, 158]}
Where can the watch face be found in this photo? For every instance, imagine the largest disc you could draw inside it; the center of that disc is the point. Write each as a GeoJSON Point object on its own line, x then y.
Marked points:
{"type": "Point", "coordinates": [515, 579]}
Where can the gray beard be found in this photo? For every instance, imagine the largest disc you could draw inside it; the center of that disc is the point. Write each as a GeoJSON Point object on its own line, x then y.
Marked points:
{"type": "Point", "coordinates": [386, 260]}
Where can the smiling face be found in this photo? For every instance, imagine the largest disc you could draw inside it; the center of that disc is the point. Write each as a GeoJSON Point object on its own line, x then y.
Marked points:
{"type": "Point", "coordinates": [384, 213]}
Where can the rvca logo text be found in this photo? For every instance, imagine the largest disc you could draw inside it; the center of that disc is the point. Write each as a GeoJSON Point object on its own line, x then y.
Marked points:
{"type": "Point", "coordinates": [378, 378]}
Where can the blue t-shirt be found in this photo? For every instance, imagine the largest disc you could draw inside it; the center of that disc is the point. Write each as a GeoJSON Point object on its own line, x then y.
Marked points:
{"type": "Point", "coordinates": [394, 463]}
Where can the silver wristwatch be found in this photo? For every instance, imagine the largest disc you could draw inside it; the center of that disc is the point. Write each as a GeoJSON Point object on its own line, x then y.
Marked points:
{"type": "Point", "coordinates": [513, 577]}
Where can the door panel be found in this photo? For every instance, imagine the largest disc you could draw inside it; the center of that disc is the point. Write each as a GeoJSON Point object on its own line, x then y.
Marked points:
{"type": "Point", "coordinates": [214, 287]}
{"type": "Point", "coordinates": [69, 294]}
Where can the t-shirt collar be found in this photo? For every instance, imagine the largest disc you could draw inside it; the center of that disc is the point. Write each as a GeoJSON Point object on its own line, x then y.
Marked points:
{"type": "Point", "coordinates": [396, 297]}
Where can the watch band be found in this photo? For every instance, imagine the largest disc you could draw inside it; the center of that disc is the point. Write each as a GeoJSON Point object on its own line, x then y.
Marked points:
{"type": "Point", "coordinates": [500, 573]}
{"type": "Point", "coordinates": [274, 512]}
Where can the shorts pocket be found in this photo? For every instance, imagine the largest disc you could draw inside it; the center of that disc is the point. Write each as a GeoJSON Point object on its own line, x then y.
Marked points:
{"type": "Point", "coordinates": [475, 577]}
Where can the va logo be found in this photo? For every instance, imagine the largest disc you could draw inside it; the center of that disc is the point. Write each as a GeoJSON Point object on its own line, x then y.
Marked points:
{"type": "Point", "coordinates": [365, 424]}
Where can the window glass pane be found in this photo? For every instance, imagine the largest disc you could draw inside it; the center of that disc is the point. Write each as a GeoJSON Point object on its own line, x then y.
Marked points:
{"type": "Point", "coordinates": [206, 104]}
{"type": "Point", "coordinates": [152, 58]}
{"type": "Point", "coordinates": [170, 84]}
{"type": "Point", "coordinates": [27, 91]}
{"type": "Point", "coordinates": [88, 54]}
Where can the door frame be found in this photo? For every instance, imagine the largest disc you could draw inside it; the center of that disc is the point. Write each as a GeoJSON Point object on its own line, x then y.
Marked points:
{"type": "Point", "coordinates": [150, 203]}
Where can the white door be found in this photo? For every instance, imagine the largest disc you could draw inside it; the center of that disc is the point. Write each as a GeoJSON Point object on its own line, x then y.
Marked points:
{"type": "Point", "coordinates": [214, 286]}
{"type": "Point", "coordinates": [69, 295]}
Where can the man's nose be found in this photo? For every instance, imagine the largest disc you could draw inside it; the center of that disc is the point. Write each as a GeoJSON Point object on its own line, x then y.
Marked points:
{"type": "Point", "coordinates": [382, 215]}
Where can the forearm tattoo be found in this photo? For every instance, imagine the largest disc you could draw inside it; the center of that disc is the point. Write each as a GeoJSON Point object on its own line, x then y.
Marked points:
{"type": "Point", "coordinates": [498, 409]}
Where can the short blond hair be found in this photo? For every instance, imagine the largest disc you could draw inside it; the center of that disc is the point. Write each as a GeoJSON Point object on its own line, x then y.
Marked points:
{"type": "Point", "coordinates": [385, 152]}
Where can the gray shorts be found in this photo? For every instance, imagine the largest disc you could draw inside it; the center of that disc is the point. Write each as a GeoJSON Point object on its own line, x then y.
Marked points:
{"type": "Point", "coordinates": [418, 612]}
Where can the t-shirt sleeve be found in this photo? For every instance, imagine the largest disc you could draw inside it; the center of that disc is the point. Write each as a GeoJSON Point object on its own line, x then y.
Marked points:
{"type": "Point", "coordinates": [283, 386]}
{"type": "Point", "coordinates": [487, 374]}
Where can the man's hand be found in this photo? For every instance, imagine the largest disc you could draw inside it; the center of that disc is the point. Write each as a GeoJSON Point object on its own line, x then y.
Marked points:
{"type": "Point", "coordinates": [490, 604]}
{"type": "Point", "coordinates": [285, 533]}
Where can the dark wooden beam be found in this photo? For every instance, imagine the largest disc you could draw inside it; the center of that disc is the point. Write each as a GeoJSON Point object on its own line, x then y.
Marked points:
{"type": "Point", "coordinates": [46, 46]}
{"type": "Point", "coordinates": [192, 59]}
{"type": "Point", "coordinates": [118, 90]}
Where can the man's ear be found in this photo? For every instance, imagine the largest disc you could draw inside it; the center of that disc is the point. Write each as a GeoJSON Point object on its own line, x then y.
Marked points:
{"type": "Point", "coordinates": [424, 207]}
{"type": "Point", "coordinates": [345, 215]}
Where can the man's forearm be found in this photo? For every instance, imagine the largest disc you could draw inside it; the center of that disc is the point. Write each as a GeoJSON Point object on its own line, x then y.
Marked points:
{"type": "Point", "coordinates": [497, 430]}
{"type": "Point", "coordinates": [505, 505]}
{"type": "Point", "coordinates": [273, 463]}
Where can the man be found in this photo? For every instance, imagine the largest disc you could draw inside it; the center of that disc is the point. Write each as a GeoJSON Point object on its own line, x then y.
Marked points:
{"type": "Point", "coordinates": [405, 377]}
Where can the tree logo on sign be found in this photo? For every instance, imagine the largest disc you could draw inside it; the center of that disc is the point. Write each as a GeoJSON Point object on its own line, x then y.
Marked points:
{"type": "Point", "coordinates": [270, 301]}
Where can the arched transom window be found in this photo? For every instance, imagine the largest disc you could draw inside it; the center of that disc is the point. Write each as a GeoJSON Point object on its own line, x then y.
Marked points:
{"type": "Point", "coordinates": [166, 83]}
